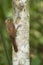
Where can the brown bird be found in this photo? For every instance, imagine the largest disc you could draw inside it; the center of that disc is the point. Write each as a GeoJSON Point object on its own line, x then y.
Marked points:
{"type": "Point", "coordinates": [12, 32]}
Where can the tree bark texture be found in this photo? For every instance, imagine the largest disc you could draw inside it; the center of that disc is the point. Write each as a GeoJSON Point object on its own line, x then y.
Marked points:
{"type": "Point", "coordinates": [21, 22]}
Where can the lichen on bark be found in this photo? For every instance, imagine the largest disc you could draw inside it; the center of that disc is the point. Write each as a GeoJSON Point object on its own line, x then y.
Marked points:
{"type": "Point", "coordinates": [21, 20]}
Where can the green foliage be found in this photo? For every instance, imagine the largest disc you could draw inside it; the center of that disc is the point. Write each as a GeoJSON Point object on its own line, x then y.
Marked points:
{"type": "Point", "coordinates": [5, 44]}
{"type": "Point", "coordinates": [35, 61]}
{"type": "Point", "coordinates": [36, 29]}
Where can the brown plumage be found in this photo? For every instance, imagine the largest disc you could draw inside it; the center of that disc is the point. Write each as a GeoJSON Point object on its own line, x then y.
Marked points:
{"type": "Point", "coordinates": [12, 32]}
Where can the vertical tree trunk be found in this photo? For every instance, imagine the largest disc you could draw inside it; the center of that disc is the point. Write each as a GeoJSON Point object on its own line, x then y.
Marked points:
{"type": "Point", "coordinates": [21, 22]}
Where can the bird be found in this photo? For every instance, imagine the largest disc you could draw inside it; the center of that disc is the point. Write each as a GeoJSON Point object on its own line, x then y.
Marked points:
{"type": "Point", "coordinates": [12, 32]}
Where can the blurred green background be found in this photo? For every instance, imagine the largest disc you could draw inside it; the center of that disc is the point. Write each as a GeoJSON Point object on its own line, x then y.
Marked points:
{"type": "Point", "coordinates": [36, 32]}
{"type": "Point", "coordinates": [5, 42]}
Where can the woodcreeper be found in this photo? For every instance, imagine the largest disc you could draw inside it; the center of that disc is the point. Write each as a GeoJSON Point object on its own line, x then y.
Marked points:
{"type": "Point", "coordinates": [11, 31]}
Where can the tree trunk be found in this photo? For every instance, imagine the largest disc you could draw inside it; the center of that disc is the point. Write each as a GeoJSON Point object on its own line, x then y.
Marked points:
{"type": "Point", "coordinates": [21, 22]}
